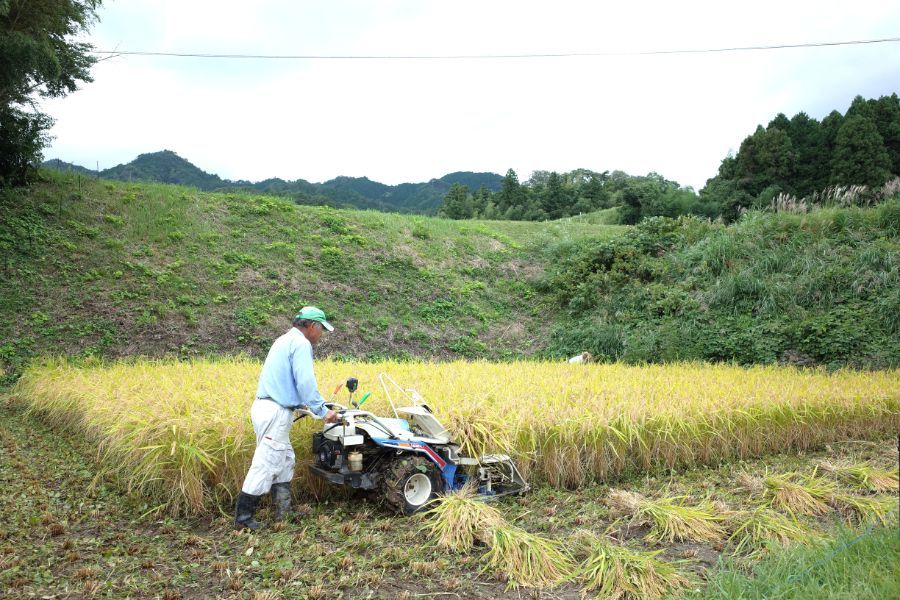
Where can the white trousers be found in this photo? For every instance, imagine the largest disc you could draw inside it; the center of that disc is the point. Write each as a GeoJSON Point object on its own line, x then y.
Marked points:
{"type": "Point", "coordinates": [273, 460]}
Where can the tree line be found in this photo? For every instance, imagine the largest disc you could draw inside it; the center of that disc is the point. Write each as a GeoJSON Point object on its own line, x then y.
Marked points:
{"type": "Point", "coordinates": [41, 57]}
{"type": "Point", "coordinates": [798, 156]}
{"type": "Point", "coordinates": [551, 195]}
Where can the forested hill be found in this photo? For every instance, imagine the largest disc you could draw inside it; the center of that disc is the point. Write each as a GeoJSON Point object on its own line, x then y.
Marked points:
{"type": "Point", "coordinates": [342, 192]}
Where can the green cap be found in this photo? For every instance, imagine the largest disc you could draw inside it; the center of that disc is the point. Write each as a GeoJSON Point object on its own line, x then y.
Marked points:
{"type": "Point", "coordinates": [314, 314]}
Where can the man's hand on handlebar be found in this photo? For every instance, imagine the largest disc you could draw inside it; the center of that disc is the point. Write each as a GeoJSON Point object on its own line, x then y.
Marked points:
{"type": "Point", "coordinates": [330, 417]}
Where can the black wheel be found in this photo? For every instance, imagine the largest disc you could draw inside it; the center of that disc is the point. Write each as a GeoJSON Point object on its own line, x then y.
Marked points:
{"type": "Point", "coordinates": [410, 481]}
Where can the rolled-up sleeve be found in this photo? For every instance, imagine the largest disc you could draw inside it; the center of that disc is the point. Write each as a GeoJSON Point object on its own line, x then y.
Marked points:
{"type": "Point", "coordinates": [305, 380]}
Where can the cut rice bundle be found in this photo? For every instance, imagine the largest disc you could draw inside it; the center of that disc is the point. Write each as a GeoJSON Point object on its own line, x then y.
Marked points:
{"type": "Point", "coordinates": [526, 559]}
{"type": "Point", "coordinates": [458, 520]}
{"type": "Point", "coordinates": [757, 528]}
{"type": "Point", "coordinates": [865, 510]}
{"type": "Point", "coordinates": [799, 494]}
{"type": "Point", "coordinates": [614, 571]}
{"type": "Point", "coordinates": [671, 519]}
{"type": "Point", "coordinates": [863, 475]}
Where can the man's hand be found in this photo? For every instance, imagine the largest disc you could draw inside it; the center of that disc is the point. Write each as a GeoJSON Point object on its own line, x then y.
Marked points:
{"type": "Point", "coordinates": [330, 417]}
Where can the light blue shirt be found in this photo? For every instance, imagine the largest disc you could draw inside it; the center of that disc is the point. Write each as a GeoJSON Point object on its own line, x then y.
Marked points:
{"type": "Point", "coordinates": [287, 375]}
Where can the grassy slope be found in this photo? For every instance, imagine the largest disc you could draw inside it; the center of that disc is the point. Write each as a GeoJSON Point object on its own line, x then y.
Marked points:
{"type": "Point", "coordinates": [112, 269]}
{"type": "Point", "coordinates": [106, 268]}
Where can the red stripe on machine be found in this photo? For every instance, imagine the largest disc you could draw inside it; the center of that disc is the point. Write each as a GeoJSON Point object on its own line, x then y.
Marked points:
{"type": "Point", "coordinates": [434, 456]}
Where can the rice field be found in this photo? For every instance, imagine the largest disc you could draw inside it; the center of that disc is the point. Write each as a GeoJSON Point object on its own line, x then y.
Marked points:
{"type": "Point", "coordinates": [179, 433]}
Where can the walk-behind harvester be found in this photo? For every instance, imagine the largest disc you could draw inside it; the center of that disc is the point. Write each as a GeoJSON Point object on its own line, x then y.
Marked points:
{"type": "Point", "coordinates": [408, 458]}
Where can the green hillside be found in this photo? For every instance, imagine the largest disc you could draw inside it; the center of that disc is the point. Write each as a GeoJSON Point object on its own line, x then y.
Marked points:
{"type": "Point", "coordinates": [102, 268]}
{"type": "Point", "coordinates": [808, 288]}
{"type": "Point", "coordinates": [95, 267]}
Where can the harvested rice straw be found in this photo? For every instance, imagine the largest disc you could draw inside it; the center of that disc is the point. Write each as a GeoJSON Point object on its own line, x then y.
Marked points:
{"type": "Point", "coordinates": [671, 519]}
{"type": "Point", "coordinates": [616, 571]}
{"type": "Point", "coordinates": [863, 476]}
{"type": "Point", "coordinates": [756, 528]}
{"type": "Point", "coordinates": [526, 559]}
{"type": "Point", "coordinates": [458, 519]}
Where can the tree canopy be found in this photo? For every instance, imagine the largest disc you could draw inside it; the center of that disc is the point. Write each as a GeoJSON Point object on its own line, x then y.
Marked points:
{"type": "Point", "coordinates": [38, 59]}
{"type": "Point", "coordinates": [800, 156]}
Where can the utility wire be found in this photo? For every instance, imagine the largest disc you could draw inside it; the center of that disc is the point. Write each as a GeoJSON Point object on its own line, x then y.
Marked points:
{"type": "Point", "coordinates": [488, 56]}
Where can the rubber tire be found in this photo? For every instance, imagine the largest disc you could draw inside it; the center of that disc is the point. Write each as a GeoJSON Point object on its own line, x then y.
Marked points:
{"type": "Point", "coordinates": [398, 472]}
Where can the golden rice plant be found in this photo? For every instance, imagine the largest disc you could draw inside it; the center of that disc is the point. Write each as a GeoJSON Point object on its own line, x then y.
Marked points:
{"type": "Point", "coordinates": [179, 433]}
{"type": "Point", "coordinates": [863, 476]}
{"type": "Point", "coordinates": [458, 519]}
{"type": "Point", "coordinates": [614, 571]}
{"type": "Point", "coordinates": [526, 559]}
{"type": "Point", "coordinates": [671, 519]}
{"type": "Point", "coordinates": [755, 528]}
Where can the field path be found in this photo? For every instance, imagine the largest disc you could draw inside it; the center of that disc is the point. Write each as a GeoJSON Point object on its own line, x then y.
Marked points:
{"type": "Point", "coordinates": [63, 537]}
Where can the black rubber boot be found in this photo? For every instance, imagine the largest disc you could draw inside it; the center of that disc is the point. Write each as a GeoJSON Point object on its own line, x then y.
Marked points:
{"type": "Point", "coordinates": [281, 500]}
{"type": "Point", "coordinates": [243, 512]}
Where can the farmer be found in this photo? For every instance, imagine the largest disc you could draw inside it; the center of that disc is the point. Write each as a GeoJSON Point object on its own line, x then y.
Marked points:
{"type": "Point", "coordinates": [287, 382]}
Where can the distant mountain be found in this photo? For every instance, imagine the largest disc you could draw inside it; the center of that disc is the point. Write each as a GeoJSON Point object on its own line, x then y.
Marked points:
{"type": "Point", "coordinates": [165, 167]}
{"type": "Point", "coordinates": [351, 192]}
{"type": "Point", "coordinates": [61, 165]}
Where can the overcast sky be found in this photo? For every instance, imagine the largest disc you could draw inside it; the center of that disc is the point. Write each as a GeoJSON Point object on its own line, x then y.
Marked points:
{"type": "Point", "coordinates": [411, 120]}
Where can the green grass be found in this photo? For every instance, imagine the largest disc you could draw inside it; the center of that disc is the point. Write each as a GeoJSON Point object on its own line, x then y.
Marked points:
{"type": "Point", "coordinates": [606, 216]}
{"type": "Point", "coordinates": [105, 268]}
{"type": "Point", "coordinates": [91, 267]}
{"type": "Point", "coordinates": [850, 564]}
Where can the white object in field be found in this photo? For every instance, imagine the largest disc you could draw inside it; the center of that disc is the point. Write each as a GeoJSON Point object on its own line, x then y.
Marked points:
{"type": "Point", "coordinates": [584, 357]}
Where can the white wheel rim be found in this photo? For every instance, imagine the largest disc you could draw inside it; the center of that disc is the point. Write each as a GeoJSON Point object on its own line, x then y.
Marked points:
{"type": "Point", "coordinates": [417, 489]}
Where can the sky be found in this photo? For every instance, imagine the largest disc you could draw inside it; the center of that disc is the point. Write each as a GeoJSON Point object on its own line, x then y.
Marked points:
{"type": "Point", "coordinates": [398, 121]}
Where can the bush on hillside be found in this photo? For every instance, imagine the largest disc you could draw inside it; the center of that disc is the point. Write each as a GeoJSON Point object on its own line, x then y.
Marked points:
{"type": "Point", "coordinates": [815, 288]}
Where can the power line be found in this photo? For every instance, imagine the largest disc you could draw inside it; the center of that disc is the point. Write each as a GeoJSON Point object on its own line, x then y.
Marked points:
{"type": "Point", "coordinates": [487, 56]}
